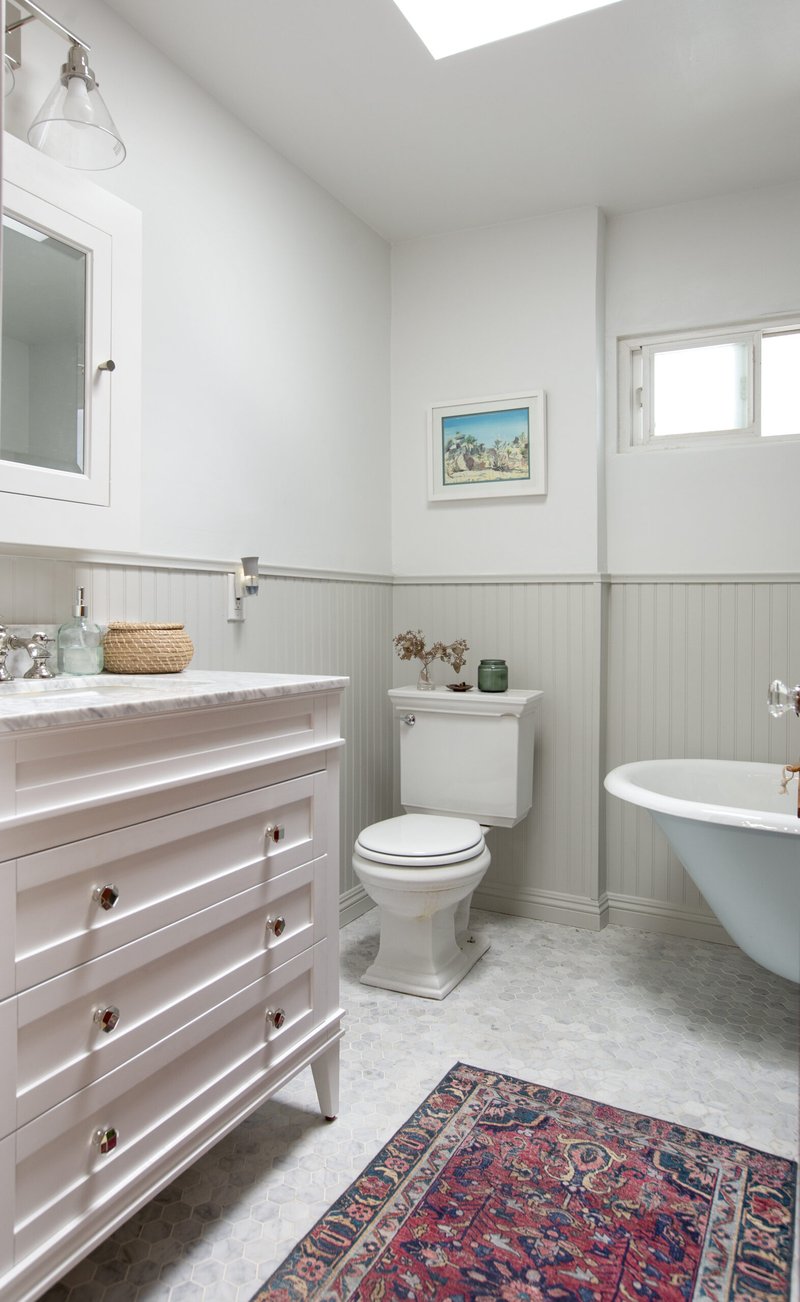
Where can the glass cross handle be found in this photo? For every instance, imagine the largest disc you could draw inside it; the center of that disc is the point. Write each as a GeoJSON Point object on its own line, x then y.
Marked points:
{"type": "Point", "coordinates": [781, 699]}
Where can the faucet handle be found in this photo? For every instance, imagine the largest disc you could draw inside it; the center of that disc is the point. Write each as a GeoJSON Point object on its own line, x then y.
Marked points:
{"type": "Point", "coordinates": [37, 648]}
{"type": "Point", "coordinates": [781, 698]}
{"type": "Point", "coordinates": [5, 647]}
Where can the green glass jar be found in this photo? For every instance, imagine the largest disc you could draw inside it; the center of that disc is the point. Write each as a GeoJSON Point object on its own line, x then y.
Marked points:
{"type": "Point", "coordinates": [492, 676]}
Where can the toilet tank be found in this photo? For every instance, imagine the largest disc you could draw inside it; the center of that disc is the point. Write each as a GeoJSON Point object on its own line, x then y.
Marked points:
{"type": "Point", "coordinates": [469, 754]}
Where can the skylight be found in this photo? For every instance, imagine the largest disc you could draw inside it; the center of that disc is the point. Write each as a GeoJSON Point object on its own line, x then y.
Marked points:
{"type": "Point", "coordinates": [449, 26]}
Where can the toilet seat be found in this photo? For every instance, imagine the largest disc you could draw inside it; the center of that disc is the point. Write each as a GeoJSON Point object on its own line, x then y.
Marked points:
{"type": "Point", "coordinates": [421, 841]}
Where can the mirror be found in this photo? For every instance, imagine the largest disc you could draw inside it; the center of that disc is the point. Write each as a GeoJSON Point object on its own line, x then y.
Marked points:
{"type": "Point", "coordinates": [71, 334]}
{"type": "Point", "coordinates": [42, 421]}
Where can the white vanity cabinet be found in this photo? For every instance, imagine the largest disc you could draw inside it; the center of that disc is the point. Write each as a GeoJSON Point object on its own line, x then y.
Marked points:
{"type": "Point", "coordinates": [169, 937]}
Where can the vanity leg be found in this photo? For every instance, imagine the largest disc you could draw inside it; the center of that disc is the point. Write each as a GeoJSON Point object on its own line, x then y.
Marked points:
{"type": "Point", "coordinates": [326, 1081]}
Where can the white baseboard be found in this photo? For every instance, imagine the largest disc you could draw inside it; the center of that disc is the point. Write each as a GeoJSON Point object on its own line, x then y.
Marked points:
{"type": "Point", "coordinates": [574, 911]}
{"type": "Point", "coordinates": [352, 904]}
{"type": "Point", "coordinates": [670, 919]}
{"type": "Point", "coordinates": [547, 906]}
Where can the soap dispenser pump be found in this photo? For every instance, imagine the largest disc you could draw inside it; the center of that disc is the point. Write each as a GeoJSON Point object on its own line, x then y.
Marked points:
{"type": "Point", "coordinates": [79, 642]}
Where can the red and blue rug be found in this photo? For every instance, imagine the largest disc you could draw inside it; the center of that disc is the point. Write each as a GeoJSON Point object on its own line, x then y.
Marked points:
{"type": "Point", "coordinates": [500, 1189]}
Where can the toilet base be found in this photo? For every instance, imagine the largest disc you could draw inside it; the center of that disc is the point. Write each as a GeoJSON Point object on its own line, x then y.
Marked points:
{"type": "Point", "coordinates": [421, 972]}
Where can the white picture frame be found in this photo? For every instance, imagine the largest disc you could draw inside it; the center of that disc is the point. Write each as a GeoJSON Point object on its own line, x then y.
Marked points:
{"type": "Point", "coordinates": [487, 447]}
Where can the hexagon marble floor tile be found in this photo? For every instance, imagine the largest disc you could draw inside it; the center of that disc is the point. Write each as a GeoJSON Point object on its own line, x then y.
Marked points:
{"type": "Point", "coordinates": [691, 1032]}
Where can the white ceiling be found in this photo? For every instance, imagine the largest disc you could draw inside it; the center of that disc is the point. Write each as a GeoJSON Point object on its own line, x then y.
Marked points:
{"type": "Point", "coordinates": [643, 103]}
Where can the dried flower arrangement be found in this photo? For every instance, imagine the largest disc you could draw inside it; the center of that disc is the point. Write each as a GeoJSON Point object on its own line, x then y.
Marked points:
{"type": "Point", "coordinates": [411, 646]}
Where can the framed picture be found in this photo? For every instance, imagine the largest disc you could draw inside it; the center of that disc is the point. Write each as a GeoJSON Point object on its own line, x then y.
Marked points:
{"type": "Point", "coordinates": [491, 448]}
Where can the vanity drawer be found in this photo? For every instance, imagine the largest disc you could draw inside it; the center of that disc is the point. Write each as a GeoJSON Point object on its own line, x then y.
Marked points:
{"type": "Point", "coordinates": [8, 898]}
{"type": "Point", "coordinates": [7, 1153]}
{"type": "Point", "coordinates": [57, 767]}
{"type": "Point", "coordinates": [160, 871]}
{"type": "Point", "coordinates": [78, 1026]}
{"type": "Point", "coordinates": [156, 1101]}
{"type": "Point", "coordinates": [8, 1040]}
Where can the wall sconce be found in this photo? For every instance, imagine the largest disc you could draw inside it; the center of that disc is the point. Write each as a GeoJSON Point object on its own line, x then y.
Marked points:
{"type": "Point", "coordinates": [244, 583]}
{"type": "Point", "coordinates": [73, 125]}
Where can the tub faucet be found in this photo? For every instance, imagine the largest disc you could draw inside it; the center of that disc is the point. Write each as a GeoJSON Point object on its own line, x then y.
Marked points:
{"type": "Point", "coordinates": [781, 698]}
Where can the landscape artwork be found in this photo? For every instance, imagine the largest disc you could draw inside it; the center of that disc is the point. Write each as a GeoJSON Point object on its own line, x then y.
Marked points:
{"type": "Point", "coordinates": [490, 448]}
{"type": "Point", "coordinates": [486, 447]}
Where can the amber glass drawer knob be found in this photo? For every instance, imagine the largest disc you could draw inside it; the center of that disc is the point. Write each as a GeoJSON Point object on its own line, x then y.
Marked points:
{"type": "Point", "coordinates": [105, 896]}
{"type": "Point", "coordinates": [276, 1017]}
{"type": "Point", "coordinates": [106, 1018]}
{"type": "Point", "coordinates": [276, 925]}
{"type": "Point", "coordinates": [106, 1140]}
{"type": "Point", "coordinates": [275, 832]}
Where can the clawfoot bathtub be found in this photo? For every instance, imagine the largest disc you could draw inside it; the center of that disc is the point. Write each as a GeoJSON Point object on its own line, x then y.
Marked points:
{"type": "Point", "coordinates": [738, 837]}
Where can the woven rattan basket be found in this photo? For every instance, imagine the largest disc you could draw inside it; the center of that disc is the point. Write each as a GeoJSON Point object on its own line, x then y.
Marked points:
{"type": "Point", "coordinates": [146, 648]}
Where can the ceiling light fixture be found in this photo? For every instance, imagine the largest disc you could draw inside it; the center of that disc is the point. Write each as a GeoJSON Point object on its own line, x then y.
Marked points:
{"type": "Point", "coordinates": [450, 26]}
{"type": "Point", "coordinates": [73, 125]}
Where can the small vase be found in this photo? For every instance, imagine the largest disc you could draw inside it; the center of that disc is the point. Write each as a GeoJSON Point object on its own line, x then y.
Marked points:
{"type": "Point", "coordinates": [425, 683]}
{"type": "Point", "coordinates": [492, 676]}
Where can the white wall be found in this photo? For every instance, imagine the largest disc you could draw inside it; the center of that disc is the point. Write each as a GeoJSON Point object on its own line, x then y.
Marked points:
{"type": "Point", "coordinates": [508, 309]}
{"type": "Point", "coordinates": [266, 322]}
{"type": "Point", "coordinates": [730, 510]}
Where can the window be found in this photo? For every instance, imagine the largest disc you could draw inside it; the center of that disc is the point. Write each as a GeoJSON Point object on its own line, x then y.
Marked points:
{"type": "Point", "coordinates": [735, 385]}
{"type": "Point", "coordinates": [450, 26]}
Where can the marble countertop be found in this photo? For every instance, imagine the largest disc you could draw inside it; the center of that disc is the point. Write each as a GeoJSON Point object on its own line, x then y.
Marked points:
{"type": "Point", "coordinates": [40, 703]}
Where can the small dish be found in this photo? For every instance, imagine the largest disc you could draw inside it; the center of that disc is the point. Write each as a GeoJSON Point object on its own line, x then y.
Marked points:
{"type": "Point", "coordinates": [459, 687]}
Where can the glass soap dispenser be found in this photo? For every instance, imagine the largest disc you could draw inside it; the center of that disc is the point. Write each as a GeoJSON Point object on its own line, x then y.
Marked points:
{"type": "Point", "coordinates": [79, 642]}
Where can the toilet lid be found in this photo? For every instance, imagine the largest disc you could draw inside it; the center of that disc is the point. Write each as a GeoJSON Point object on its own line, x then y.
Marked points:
{"type": "Point", "coordinates": [421, 839]}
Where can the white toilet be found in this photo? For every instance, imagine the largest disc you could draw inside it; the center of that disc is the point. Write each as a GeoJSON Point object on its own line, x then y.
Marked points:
{"type": "Point", "coordinates": [466, 764]}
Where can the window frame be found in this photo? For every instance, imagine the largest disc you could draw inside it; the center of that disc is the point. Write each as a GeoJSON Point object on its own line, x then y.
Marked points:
{"type": "Point", "coordinates": [635, 356]}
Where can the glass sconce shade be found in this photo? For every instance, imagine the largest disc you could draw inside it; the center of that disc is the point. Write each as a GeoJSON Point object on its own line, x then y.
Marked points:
{"type": "Point", "coordinates": [74, 126]}
{"type": "Point", "coordinates": [8, 75]}
{"type": "Point", "coordinates": [250, 575]}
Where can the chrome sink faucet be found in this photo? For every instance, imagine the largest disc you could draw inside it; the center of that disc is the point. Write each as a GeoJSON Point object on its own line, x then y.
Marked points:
{"type": "Point", "coordinates": [37, 647]}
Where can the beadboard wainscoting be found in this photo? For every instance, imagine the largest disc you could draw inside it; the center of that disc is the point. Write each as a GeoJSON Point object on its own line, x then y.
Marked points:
{"type": "Point", "coordinates": [631, 668]}
{"type": "Point", "coordinates": [689, 664]}
{"type": "Point", "coordinates": [550, 632]}
{"type": "Point", "coordinates": [297, 624]}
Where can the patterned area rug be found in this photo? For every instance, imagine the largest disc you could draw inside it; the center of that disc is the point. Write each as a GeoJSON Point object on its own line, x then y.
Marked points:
{"type": "Point", "coordinates": [497, 1188]}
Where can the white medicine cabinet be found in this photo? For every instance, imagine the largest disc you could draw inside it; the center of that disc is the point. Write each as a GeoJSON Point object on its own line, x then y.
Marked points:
{"type": "Point", "coordinates": [71, 358]}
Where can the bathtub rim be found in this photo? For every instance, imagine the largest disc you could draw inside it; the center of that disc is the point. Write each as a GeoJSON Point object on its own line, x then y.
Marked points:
{"type": "Point", "coordinates": [621, 782]}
